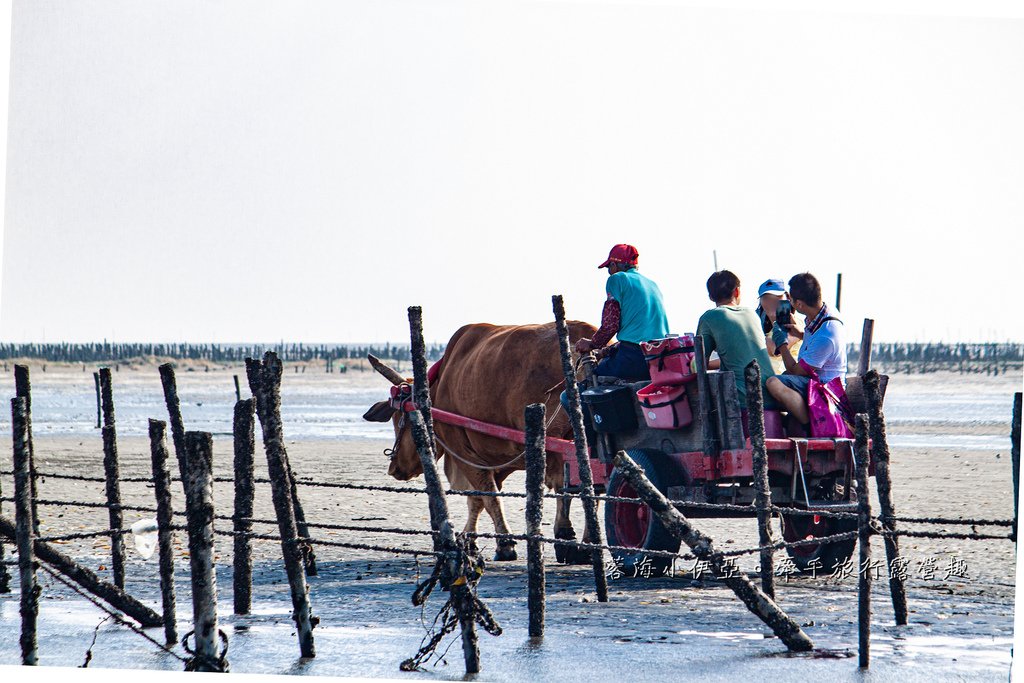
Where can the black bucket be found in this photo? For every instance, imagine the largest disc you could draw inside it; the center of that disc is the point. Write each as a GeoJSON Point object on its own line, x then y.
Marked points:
{"type": "Point", "coordinates": [611, 408]}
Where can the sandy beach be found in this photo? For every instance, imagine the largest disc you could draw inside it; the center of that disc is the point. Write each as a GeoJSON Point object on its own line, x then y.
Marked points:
{"type": "Point", "coordinates": [961, 591]}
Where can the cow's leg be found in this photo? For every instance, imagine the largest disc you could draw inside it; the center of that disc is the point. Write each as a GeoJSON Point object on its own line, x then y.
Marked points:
{"type": "Point", "coordinates": [506, 547]}
{"type": "Point", "coordinates": [554, 477]}
{"type": "Point", "coordinates": [474, 504]}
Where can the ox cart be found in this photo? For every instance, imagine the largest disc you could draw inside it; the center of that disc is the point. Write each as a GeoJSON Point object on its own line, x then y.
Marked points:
{"type": "Point", "coordinates": [704, 457]}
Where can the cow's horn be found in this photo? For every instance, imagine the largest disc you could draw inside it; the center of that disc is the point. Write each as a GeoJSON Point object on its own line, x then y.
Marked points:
{"type": "Point", "coordinates": [389, 373]}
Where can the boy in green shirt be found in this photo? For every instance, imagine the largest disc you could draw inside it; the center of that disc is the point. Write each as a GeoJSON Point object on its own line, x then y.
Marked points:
{"type": "Point", "coordinates": [734, 332]}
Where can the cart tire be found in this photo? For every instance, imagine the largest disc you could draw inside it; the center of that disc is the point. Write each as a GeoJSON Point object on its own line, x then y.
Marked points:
{"type": "Point", "coordinates": [828, 555]}
{"type": "Point", "coordinates": [633, 524]}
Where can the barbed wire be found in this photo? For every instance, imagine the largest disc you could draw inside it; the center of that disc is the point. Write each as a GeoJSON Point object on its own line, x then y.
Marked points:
{"type": "Point", "coordinates": [114, 615]}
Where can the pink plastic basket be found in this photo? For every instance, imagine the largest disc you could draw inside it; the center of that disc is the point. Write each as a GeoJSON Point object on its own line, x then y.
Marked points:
{"type": "Point", "coordinates": [665, 406]}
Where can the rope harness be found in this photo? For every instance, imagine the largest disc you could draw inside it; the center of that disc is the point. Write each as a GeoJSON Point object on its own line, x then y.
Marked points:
{"type": "Point", "coordinates": [402, 401]}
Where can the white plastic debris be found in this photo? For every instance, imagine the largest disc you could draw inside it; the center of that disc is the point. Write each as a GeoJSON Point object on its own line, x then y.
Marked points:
{"type": "Point", "coordinates": [144, 533]}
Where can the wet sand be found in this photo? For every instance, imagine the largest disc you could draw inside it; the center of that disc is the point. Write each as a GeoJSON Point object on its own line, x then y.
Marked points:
{"type": "Point", "coordinates": [368, 624]}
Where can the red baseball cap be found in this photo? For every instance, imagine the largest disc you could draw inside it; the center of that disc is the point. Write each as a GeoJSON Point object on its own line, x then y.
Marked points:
{"type": "Point", "coordinates": [622, 253]}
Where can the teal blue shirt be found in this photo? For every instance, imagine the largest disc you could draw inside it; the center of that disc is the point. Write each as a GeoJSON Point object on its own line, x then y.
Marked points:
{"type": "Point", "coordinates": [641, 309]}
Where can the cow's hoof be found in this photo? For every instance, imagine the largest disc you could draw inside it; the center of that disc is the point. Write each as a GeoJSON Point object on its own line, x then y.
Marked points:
{"type": "Point", "coordinates": [505, 554]}
{"type": "Point", "coordinates": [564, 553]}
{"type": "Point", "coordinates": [578, 556]}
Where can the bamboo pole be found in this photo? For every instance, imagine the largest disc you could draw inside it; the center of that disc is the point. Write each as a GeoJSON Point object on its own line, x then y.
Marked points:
{"type": "Point", "coordinates": [582, 452]}
{"type": "Point", "coordinates": [762, 489]}
{"type": "Point", "coordinates": [702, 546]}
{"type": "Point", "coordinates": [199, 512]}
{"type": "Point", "coordinates": [112, 475]}
{"type": "Point", "coordinates": [883, 482]}
{"type": "Point", "coordinates": [30, 588]}
{"type": "Point", "coordinates": [535, 467]}
{"type": "Point", "coordinates": [23, 388]}
{"type": "Point", "coordinates": [245, 447]}
{"type": "Point", "coordinates": [264, 382]}
{"type": "Point", "coordinates": [864, 528]}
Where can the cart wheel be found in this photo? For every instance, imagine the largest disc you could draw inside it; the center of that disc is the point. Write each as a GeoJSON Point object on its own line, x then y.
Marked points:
{"type": "Point", "coordinates": [822, 557]}
{"type": "Point", "coordinates": [633, 525]}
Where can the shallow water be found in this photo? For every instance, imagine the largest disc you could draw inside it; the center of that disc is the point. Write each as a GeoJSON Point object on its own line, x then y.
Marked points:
{"type": "Point", "coordinates": [316, 405]}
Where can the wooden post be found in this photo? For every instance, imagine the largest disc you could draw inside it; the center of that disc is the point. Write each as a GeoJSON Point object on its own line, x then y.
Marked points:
{"type": "Point", "coordinates": [762, 490]}
{"type": "Point", "coordinates": [112, 474]}
{"type": "Point", "coordinates": [536, 464]}
{"type": "Point", "coordinates": [88, 580]}
{"type": "Point", "coordinates": [421, 396]}
{"type": "Point", "coordinates": [270, 381]}
{"type": "Point", "coordinates": [238, 390]}
{"type": "Point", "coordinates": [864, 527]}
{"type": "Point", "coordinates": [883, 482]}
{"type": "Point", "coordinates": [582, 452]}
{"type": "Point", "coordinates": [1015, 457]}
{"type": "Point", "coordinates": [707, 429]}
{"type": "Point", "coordinates": [23, 514]}
{"type": "Point", "coordinates": [23, 388]}
{"type": "Point", "coordinates": [5, 574]}
{"type": "Point", "coordinates": [174, 413]}
{"type": "Point", "coordinates": [264, 382]}
{"type": "Point", "coordinates": [864, 359]}
{"type": "Point", "coordinates": [99, 402]}
{"type": "Point", "coordinates": [199, 512]}
{"type": "Point", "coordinates": [245, 447]}
{"type": "Point", "coordinates": [702, 546]}
{"type": "Point", "coordinates": [462, 591]}
{"type": "Point", "coordinates": [839, 290]}
{"type": "Point", "coordinates": [164, 521]}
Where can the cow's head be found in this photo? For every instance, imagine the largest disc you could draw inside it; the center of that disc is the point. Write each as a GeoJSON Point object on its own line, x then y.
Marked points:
{"type": "Point", "coordinates": [404, 458]}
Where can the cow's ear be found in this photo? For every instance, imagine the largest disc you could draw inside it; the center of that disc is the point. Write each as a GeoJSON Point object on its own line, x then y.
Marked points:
{"type": "Point", "coordinates": [380, 412]}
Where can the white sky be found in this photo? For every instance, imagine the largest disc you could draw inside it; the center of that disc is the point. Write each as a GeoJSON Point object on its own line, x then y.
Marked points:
{"type": "Point", "coordinates": [256, 171]}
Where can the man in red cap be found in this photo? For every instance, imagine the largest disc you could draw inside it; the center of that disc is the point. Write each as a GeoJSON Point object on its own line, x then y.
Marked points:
{"type": "Point", "coordinates": [633, 312]}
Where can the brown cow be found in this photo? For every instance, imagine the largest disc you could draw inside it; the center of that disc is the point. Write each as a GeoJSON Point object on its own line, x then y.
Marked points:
{"type": "Point", "coordinates": [490, 373]}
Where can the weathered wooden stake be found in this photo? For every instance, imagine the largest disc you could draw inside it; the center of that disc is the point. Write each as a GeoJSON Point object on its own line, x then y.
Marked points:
{"type": "Point", "coordinates": [762, 490]}
{"type": "Point", "coordinates": [112, 474]}
{"type": "Point", "coordinates": [164, 521]}
{"type": "Point", "coordinates": [883, 482]}
{"type": "Point", "coordinates": [245, 447]}
{"type": "Point", "coordinates": [864, 527]}
{"type": "Point", "coordinates": [421, 396]}
{"type": "Point", "coordinates": [99, 401]}
{"type": "Point", "coordinates": [174, 413]}
{"type": "Point", "coordinates": [839, 290]}
{"type": "Point", "coordinates": [461, 592]}
{"type": "Point", "coordinates": [199, 512]}
{"type": "Point", "coordinates": [238, 390]}
{"type": "Point", "coordinates": [536, 464]}
{"type": "Point", "coordinates": [679, 526]}
{"type": "Point", "coordinates": [864, 360]}
{"type": "Point", "coordinates": [264, 382]}
{"type": "Point", "coordinates": [23, 388]}
{"type": "Point", "coordinates": [592, 524]}
{"type": "Point", "coordinates": [1015, 457]}
{"type": "Point", "coordinates": [23, 514]}
{"type": "Point", "coordinates": [5, 574]}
